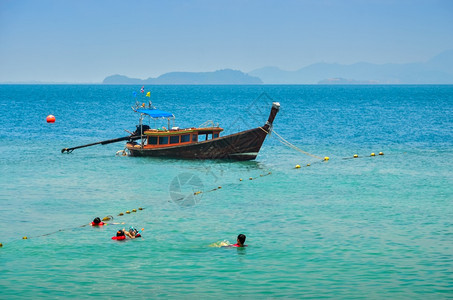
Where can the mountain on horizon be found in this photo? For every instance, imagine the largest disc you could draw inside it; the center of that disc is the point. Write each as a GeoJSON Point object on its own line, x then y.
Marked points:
{"type": "Point", "coordinates": [438, 70]}
{"type": "Point", "coordinates": [226, 76]}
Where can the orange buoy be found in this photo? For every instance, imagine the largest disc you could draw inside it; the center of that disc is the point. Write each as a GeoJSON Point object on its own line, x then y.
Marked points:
{"type": "Point", "coordinates": [50, 119]}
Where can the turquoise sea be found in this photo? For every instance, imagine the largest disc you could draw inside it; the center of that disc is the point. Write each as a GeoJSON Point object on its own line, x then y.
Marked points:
{"type": "Point", "coordinates": [369, 227]}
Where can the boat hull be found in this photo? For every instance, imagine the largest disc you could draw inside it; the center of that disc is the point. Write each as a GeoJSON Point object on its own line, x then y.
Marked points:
{"type": "Point", "coordinates": [241, 146]}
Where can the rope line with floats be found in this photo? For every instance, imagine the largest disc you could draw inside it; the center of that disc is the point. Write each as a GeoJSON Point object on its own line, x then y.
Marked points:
{"type": "Point", "coordinates": [325, 159]}
{"type": "Point", "coordinates": [106, 218]}
{"type": "Point", "coordinates": [220, 187]}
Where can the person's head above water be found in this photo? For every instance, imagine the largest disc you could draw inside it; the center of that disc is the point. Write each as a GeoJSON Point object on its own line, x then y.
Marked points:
{"type": "Point", "coordinates": [120, 233]}
{"type": "Point", "coordinates": [241, 239]}
{"type": "Point", "coordinates": [133, 231]}
{"type": "Point", "coordinates": [97, 220]}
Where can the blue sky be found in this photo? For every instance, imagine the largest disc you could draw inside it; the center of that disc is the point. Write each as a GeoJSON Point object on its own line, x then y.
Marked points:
{"type": "Point", "coordinates": [84, 41]}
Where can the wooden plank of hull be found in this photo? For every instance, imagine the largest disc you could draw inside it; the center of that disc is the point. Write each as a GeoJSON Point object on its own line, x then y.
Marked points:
{"type": "Point", "coordinates": [239, 146]}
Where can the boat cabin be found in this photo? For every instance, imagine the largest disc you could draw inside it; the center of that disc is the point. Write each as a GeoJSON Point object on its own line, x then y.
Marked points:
{"type": "Point", "coordinates": [163, 137]}
{"type": "Point", "coordinates": [155, 138]}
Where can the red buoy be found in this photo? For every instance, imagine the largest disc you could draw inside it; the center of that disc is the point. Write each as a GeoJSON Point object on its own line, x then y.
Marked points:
{"type": "Point", "coordinates": [50, 119]}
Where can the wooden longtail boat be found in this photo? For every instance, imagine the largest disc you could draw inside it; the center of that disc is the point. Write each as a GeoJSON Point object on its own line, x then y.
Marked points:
{"type": "Point", "coordinates": [191, 143]}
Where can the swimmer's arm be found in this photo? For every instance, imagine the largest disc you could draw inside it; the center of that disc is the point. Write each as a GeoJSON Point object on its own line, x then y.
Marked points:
{"type": "Point", "coordinates": [128, 234]}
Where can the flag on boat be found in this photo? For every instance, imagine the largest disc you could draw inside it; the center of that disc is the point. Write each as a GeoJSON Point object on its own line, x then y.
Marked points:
{"type": "Point", "coordinates": [142, 89]}
{"type": "Point", "coordinates": [148, 94]}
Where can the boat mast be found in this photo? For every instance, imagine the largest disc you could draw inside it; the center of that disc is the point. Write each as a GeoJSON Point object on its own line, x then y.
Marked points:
{"type": "Point", "coordinates": [141, 130]}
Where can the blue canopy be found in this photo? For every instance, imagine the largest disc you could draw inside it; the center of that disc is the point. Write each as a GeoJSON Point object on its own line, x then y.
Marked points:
{"type": "Point", "coordinates": [155, 113]}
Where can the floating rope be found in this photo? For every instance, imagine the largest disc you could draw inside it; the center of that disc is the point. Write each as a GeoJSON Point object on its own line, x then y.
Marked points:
{"type": "Point", "coordinates": [200, 192]}
{"type": "Point", "coordinates": [357, 156]}
{"type": "Point", "coordinates": [220, 187]}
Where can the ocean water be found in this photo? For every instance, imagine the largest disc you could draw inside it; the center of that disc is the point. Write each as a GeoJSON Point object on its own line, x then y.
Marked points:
{"type": "Point", "coordinates": [367, 227]}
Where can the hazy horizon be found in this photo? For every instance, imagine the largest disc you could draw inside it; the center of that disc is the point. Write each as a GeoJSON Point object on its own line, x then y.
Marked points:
{"type": "Point", "coordinates": [83, 42]}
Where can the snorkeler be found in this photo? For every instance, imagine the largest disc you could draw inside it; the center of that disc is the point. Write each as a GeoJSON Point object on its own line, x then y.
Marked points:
{"type": "Point", "coordinates": [132, 233]}
{"type": "Point", "coordinates": [97, 222]}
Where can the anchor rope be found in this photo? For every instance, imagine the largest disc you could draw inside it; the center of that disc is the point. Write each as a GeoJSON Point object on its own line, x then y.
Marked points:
{"type": "Point", "coordinates": [285, 142]}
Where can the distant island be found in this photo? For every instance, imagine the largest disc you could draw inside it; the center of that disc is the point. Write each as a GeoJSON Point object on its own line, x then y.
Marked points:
{"type": "Point", "coordinates": [342, 81]}
{"type": "Point", "coordinates": [437, 70]}
{"type": "Point", "coordinates": [226, 76]}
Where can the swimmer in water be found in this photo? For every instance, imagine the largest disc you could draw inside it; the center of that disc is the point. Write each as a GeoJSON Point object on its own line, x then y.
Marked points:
{"type": "Point", "coordinates": [119, 235]}
{"type": "Point", "coordinates": [97, 222]}
{"type": "Point", "coordinates": [225, 244]}
{"type": "Point", "coordinates": [240, 241]}
{"type": "Point", "coordinates": [132, 233]}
